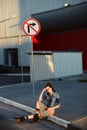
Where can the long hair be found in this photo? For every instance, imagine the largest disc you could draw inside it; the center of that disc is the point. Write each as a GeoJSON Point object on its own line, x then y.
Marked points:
{"type": "Point", "coordinates": [48, 84]}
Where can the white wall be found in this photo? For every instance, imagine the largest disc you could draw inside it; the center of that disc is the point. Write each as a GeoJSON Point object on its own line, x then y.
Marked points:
{"type": "Point", "coordinates": [13, 42]}
{"type": "Point", "coordinates": [23, 9]}
{"type": "Point", "coordinates": [67, 64]}
{"type": "Point", "coordinates": [11, 27]}
{"type": "Point", "coordinates": [42, 67]}
{"type": "Point", "coordinates": [59, 64]}
{"type": "Point", "coordinates": [38, 6]}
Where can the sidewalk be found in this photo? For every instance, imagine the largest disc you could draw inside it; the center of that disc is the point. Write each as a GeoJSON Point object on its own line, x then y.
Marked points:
{"type": "Point", "coordinates": [73, 99]}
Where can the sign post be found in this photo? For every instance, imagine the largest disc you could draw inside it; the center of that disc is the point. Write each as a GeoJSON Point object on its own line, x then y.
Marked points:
{"type": "Point", "coordinates": [31, 27]}
{"type": "Point", "coordinates": [20, 43]}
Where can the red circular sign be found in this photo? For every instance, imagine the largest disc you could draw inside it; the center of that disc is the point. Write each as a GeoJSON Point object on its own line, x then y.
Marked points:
{"type": "Point", "coordinates": [31, 27]}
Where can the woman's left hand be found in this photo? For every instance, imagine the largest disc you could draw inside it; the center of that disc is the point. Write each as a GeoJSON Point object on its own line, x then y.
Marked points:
{"type": "Point", "coordinates": [50, 111]}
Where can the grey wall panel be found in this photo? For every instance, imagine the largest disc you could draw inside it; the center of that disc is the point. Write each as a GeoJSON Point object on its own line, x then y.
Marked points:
{"type": "Point", "coordinates": [9, 24]}
{"type": "Point", "coordinates": [42, 67]}
{"type": "Point", "coordinates": [67, 64]}
{"type": "Point", "coordinates": [23, 9]}
{"type": "Point", "coordinates": [11, 27]}
{"type": "Point", "coordinates": [56, 65]}
{"type": "Point", "coordinates": [47, 5]}
{"type": "Point", "coordinates": [9, 43]}
{"type": "Point", "coordinates": [1, 57]}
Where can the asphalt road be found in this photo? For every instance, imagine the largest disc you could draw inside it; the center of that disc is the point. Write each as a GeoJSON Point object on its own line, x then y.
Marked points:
{"type": "Point", "coordinates": [7, 122]}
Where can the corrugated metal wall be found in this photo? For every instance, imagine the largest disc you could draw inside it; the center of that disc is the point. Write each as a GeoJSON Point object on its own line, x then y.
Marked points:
{"type": "Point", "coordinates": [12, 42]}
{"type": "Point", "coordinates": [11, 27]}
{"type": "Point", "coordinates": [42, 67]}
{"type": "Point", "coordinates": [1, 57]}
{"type": "Point", "coordinates": [47, 5]}
{"type": "Point", "coordinates": [59, 64]}
{"type": "Point", "coordinates": [9, 24]}
{"type": "Point", "coordinates": [67, 64]}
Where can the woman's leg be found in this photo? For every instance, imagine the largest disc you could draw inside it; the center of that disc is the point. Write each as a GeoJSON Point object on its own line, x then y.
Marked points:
{"type": "Point", "coordinates": [35, 116]}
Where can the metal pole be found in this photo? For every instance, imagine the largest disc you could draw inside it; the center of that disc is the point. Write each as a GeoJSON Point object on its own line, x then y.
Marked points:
{"type": "Point", "coordinates": [21, 55]}
{"type": "Point", "coordinates": [32, 67]}
{"type": "Point", "coordinates": [21, 64]}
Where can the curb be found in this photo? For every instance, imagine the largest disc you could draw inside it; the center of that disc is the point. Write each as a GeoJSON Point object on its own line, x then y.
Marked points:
{"type": "Point", "coordinates": [72, 126]}
{"type": "Point", "coordinates": [54, 119]}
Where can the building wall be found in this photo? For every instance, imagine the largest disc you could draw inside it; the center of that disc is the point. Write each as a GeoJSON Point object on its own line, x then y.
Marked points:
{"type": "Point", "coordinates": [11, 26]}
{"type": "Point", "coordinates": [41, 70]}
{"type": "Point", "coordinates": [55, 65]}
{"type": "Point", "coordinates": [67, 64]}
{"type": "Point", "coordinates": [47, 5]}
{"type": "Point", "coordinates": [75, 40]}
{"type": "Point", "coordinates": [11, 43]}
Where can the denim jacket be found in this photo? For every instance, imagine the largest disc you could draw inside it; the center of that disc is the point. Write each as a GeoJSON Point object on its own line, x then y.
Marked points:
{"type": "Point", "coordinates": [51, 100]}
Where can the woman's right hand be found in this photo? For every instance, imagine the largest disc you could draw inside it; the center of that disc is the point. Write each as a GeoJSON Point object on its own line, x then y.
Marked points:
{"type": "Point", "coordinates": [45, 89]}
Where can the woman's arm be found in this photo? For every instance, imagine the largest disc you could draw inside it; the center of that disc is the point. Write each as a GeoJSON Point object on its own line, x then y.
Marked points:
{"type": "Point", "coordinates": [50, 110]}
{"type": "Point", "coordinates": [41, 94]}
{"type": "Point", "coordinates": [57, 106]}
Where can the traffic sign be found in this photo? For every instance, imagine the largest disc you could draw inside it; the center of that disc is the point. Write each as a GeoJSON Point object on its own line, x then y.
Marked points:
{"type": "Point", "coordinates": [31, 27]}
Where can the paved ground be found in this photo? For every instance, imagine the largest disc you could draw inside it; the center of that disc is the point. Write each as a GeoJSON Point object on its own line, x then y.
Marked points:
{"type": "Point", "coordinates": [7, 122]}
{"type": "Point", "coordinates": [7, 79]}
{"type": "Point", "coordinates": [72, 92]}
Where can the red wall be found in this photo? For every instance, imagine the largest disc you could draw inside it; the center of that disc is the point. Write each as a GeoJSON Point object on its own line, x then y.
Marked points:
{"type": "Point", "coordinates": [65, 41]}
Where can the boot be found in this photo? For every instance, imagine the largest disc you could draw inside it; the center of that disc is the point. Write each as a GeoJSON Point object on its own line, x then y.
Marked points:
{"type": "Point", "coordinates": [19, 119]}
{"type": "Point", "coordinates": [35, 118]}
{"type": "Point", "coordinates": [37, 111]}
